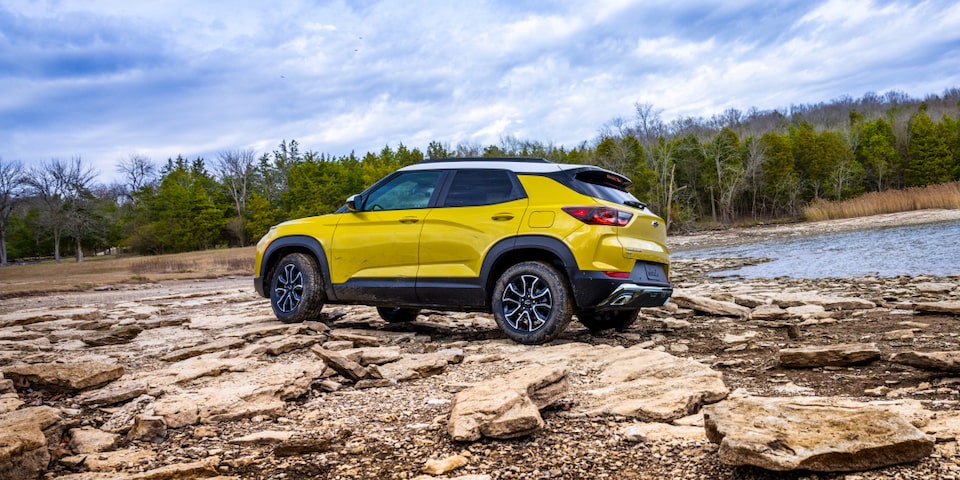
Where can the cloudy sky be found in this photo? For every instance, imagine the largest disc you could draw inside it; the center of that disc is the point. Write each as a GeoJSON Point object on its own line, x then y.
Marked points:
{"type": "Point", "coordinates": [105, 79]}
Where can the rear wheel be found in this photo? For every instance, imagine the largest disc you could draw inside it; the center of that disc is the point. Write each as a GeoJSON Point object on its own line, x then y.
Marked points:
{"type": "Point", "coordinates": [296, 292]}
{"type": "Point", "coordinates": [598, 321]}
{"type": "Point", "coordinates": [398, 314]}
{"type": "Point", "coordinates": [532, 303]}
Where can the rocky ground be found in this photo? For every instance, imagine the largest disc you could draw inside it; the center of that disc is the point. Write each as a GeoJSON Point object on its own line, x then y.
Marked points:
{"type": "Point", "coordinates": [197, 379]}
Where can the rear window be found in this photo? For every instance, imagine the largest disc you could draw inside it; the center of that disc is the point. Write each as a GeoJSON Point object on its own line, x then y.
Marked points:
{"type": "Point", "coordinates": [603, 185]}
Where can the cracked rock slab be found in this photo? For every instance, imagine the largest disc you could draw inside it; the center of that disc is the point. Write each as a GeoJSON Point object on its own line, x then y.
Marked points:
{"type": "Point", "coordinates": [830, 355]}
{"type": "Point", "coordinates": [507, 406]}
{"type": "Point", "coordinates": [937, 361]}
{"type": "Point", "coordinates": [812, 433]}
{"type": "Point", "coordinates": [653, 386]}
{"type": "Point", "coordinates": [66, 376]}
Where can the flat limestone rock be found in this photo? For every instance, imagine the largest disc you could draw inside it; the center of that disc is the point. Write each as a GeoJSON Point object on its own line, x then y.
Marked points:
{"type": "Point", "coordinates": [507, 406]}
{"type": "Point", "coordinates": [261, 389]}
{"type": "Point", "coordinates": [102, 465]}
{"type": "Point", "coordinates": [768, 312]}
{"type": "Point", "coordinates": [828, 302]}
{"type": "Point", "coordinates": [66, 376]}
{"type": "Point", "coordinates": [301, 444]}
{"type": "Point", "coordinates": [938, 361]}
{"type": "Point", "coordinates": [112, 336]}
{"type": "Point", "coordinates": [218, 345]}
{"type": "Point", "coordinates": [812, 433]}
{"type": "Point", "coordinates": [709, 305]}
{"type": "Point", "coordinates": [413, 366]}
{"type": "Point", "coordinates": [935, 287]}
{"type": "Point", "coordinates": [114, 394]}
{"type": "Point", "coordinates": [652, 386]}
{"type": "Point", "coordinates": [92, 440]}
{"type": "Point", "coordinates": [367, 356]}
{"type": "Point", "coordinates": [830, 355]}
{"type": "Point", "coordinates": [264, 437]}
{"type": "Point", "coordinates": [655, 432]}
{"type": "Point", "coordinates": [38, 315]}
{"type": "Point", "coordinates": [808, 311]}
{"type": "Point", "coordinates": [24, 452]}
{"type": "Point", "coordinates": [951, 307]}
{"type": "Point", "coordinates": [343, 365]}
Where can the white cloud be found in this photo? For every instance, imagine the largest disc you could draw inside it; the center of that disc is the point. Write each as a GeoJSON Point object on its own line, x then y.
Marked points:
{"type": "Point", "coordinates": [105, 79]}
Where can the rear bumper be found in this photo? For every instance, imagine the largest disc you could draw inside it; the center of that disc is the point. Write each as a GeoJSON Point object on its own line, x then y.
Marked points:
{"type": "Point", "coordinates": [647, 286]}
{"type": "Point", "coordinates": [632, 296]}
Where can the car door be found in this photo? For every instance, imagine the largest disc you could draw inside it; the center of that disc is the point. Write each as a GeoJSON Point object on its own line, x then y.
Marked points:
{"type": "Point", "coordinates": [375, 249]}
{"type": "Point", "coordinates": [478, 208]}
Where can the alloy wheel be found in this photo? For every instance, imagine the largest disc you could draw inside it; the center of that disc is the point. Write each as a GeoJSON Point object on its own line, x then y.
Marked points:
{"type": "Point", "coordinates": [527, 303]}
{"type": "Point", "coordinates": [289, 288]}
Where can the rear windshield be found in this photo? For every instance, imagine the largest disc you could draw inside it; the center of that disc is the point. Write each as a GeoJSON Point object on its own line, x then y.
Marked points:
{"type": "Point", "coordinates": [603, 185]}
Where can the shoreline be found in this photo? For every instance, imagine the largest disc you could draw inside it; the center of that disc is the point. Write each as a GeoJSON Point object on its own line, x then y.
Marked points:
{"type": "Point", "coordinates": [757, 233]}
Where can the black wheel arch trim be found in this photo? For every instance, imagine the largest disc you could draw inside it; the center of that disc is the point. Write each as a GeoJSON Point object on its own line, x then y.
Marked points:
{"type": "Point", "coordinates": [522, 242]}
{"type": "Point", "coordinates": [294, 242]}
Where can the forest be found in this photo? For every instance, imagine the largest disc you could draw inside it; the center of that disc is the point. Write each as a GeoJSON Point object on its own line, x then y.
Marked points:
{"type": "Point", "coordinates": [735, 167]}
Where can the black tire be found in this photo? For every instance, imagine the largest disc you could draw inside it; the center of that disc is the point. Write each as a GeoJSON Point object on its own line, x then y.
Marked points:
{"type": "Point", "coordinates": [596, 322]}
{"type": "Point", "coordinates": [532, 303]}
{"type": "Point", "coordinates": [296, 289]}
{"type": "Point", "coordinates": [398, 314]}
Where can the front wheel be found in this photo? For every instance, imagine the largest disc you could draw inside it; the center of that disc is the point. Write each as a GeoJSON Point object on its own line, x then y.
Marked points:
{"type": "Point", "coordinates": [296, 292]}
{"type": "Point", "coordinates": [598, 321]}
{"type": "Point", "coordinates": [532, 303]}
{"type": "Point", "coordinates": [398, 314]}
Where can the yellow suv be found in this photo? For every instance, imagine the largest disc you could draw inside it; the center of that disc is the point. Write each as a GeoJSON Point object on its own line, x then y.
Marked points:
{"type": "Point", "coordinates": [531, 241]}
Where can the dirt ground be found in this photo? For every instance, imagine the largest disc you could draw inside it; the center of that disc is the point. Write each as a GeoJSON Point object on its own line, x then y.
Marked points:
{"type": "Point", "coordinates": [393, 431]}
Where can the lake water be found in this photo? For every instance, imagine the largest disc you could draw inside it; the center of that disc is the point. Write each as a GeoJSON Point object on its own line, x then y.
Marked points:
{"type": "Point", "coordinates": [929, 249]}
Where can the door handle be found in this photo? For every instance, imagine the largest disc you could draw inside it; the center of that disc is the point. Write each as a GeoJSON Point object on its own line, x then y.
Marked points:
{"type": "Point", "coordinates": [409, 220]}
{"type": "Point", "coordinates": [502, 217]}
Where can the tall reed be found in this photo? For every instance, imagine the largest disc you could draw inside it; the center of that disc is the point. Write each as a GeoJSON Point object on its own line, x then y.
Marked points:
{"type": "Point", "coordinates": [943, 195]}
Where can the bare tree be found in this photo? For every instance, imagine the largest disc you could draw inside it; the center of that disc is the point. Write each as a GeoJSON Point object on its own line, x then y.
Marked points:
{"type": "Point", "coordinates": [11, 191]}
{"type": "Point", "coordinates": [63, 190]}
{"type": "Point", "coordinates": [616, 127]}
{"type": "Point", "coordinates": [649, 124]}
{"type": "Point", "coordinates": [138, 170]}
{"type": "Point", "coordinates": [468, 149]}
{"type": "Point", "coordinates": [235, 170]}
{"type": "Point", "coordinates": [753, 168]}
{"type": "Point", "coordinates": [730, 174]}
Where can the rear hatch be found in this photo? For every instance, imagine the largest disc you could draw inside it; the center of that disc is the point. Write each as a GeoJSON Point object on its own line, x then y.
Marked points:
{"type": "Point", "coordinates": [645, 236]}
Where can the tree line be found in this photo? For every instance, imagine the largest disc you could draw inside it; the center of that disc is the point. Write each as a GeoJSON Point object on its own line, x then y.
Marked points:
{"type": "Point", "coordinates": [733, 166]}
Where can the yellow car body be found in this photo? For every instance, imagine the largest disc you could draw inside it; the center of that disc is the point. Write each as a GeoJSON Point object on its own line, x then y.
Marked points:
{"type": "Point", "coordinates": [442, 234]}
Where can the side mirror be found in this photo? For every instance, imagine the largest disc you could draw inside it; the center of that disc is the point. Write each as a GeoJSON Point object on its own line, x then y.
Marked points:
{"type": "Point", "coordinates": [352, 202]}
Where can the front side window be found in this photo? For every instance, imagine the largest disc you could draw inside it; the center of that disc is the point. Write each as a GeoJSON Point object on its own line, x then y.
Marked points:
{"type": "Point", "coordinates": [481, 187]}
{"type": "Point", "coordinates": [405, 191]}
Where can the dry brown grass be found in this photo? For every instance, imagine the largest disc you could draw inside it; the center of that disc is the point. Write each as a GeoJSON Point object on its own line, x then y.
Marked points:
{"type": "Point", "coordinates": [49, 277]}
{"type": "Point", "coordinates": [944, 195]}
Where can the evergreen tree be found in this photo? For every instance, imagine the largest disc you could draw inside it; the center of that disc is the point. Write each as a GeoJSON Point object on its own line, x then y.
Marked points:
{"type": "Point", "coordinates": [930, 159]}
{"type": "Point", "coordinates": [877, 152]}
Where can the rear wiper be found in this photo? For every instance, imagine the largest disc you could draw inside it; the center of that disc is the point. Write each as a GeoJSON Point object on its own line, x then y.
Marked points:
{"type": "Point", "coordinates": [631, 203]}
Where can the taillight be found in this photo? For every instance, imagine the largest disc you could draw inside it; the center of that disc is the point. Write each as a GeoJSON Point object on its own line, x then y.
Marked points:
{"type": "Point", "coordinates": [617, 274]}
{"type": "Point", "coordinates": [600, 215]}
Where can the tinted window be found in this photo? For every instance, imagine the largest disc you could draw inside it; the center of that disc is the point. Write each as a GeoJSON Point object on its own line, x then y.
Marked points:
{"type": "Point", "coordinates": [481, 187]}
{"type": "Point", "coordinates": [599, 184]}
{"type": "Point", "coordinates": [405, 191]}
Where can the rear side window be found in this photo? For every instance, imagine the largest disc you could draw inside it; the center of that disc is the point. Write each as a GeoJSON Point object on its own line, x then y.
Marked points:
{"type": "Point", "coordinates": [481, 187]}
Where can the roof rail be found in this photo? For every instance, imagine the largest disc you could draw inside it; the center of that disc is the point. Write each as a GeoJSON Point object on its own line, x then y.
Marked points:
{"type": "Point", "coordinates": [488, 159]}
